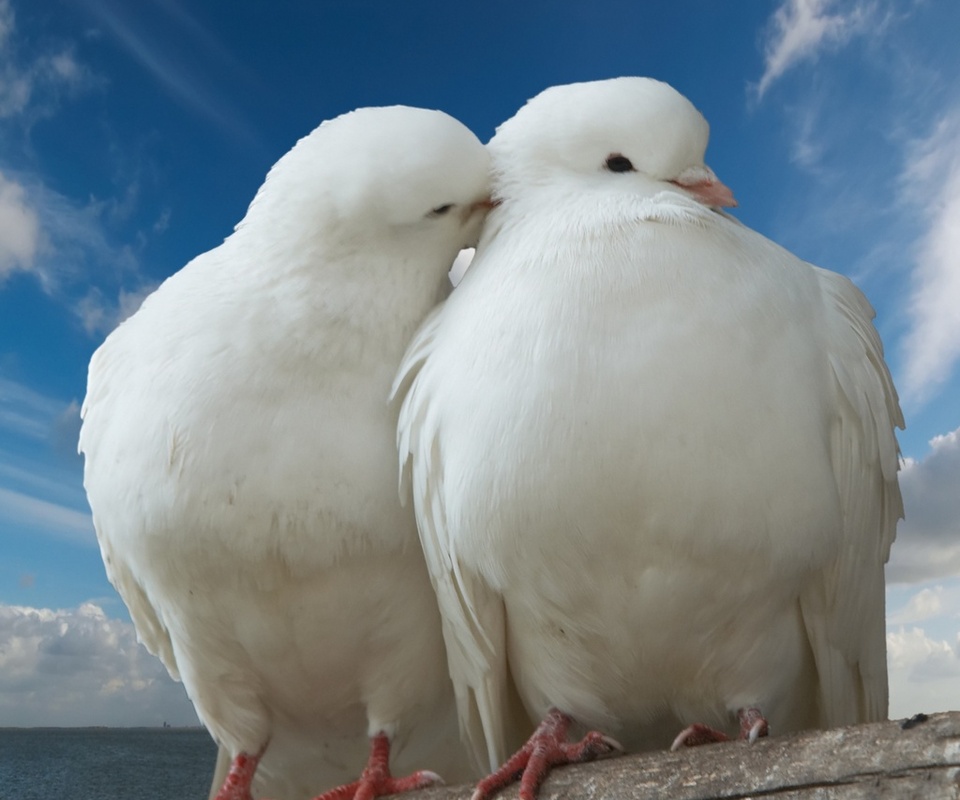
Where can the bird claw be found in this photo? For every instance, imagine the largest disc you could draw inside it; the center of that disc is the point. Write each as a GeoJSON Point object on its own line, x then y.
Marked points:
{"type": "Point", "coordinates": [696, 735]}
{"type": "Point", "coordinates": [753, 725]}
{"type": "Point", "coordinates": [368, 788]}
{"type": "Point", "coordinates": [376, 780]}
{"type": "Point", "coordinates": [429, 778]}
{"type": "Point", "coordinates": [758, 729]}
{"type": "Point", "coordinates": [613, 744]}
{"type": "Point", "coordinates": [544, 750]}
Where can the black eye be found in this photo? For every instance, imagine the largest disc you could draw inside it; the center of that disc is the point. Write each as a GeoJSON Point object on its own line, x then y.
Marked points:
{"type": "Point", "coordinates": [619, 163]}
{"type": "Point", "coordinates": [439, 211]}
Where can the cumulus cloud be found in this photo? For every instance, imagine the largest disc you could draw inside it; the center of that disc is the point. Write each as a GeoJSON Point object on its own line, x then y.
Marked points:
{"type": "Point", "coordinates": [924, 672]}
{"type": "Point", "coordinates": [928, 539]}
{"type": "Point", "coordinates": [78, 667]}
{"type": "Point", "coordinates": [931, 185]}
{"type": "Point", "coordinates": [922, 656]}
{"type": "Point", "coordinates": [800, 29]}
{"type": "Point", "coordinates": [926, 603]}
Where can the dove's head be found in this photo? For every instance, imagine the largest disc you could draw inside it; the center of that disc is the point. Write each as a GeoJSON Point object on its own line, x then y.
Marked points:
{"type": "Point", "coordinates": [635, 134]}
{"type": "Point", "coordinates": [393, 175]}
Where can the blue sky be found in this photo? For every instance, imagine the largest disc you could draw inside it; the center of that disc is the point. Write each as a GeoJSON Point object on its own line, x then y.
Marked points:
{"type": "Point", "coordinates": [133, 136]}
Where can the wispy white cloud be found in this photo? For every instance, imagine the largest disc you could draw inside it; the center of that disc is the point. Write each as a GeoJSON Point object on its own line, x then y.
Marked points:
{"type": "Point", "coordinates": [168, 67]}
{"type": "Point", "coordinates": [19, 229]}
{"type": "Point", "coordinates": [807, 147]}
{"type": "Point", "coordinates": [19, 510]}
{"type": "Point", "coordinates": [15, 89]}
{"type": "Point", "coordinates": [6, 22]}
{"type": "Point", "coordinates": [34, 84]}
{"type": "Point", "coordinates": [163, 221]}
{"type": "Point", "coordinates": [100, 314]}
{"type": "Point", "coordinates": [67, 244]}
{"type": "Point", "coordinates": [65, 431]}
{"type": "Point", "coordinates": [885, 167]}
{"type": "Point", "coordinates": [928, 539]}
{"type": "Point", "coordinates": [64, 244]}
{"type": "Point", "coordinates": [800, 29]}
{"type": "Point", "coordinates": [78, 667]}
{"type": "Point", "coordinates": [25, 411]}
{"type": "Point", "coordinates": [74, 237]}
{"type": "Point", "coordinates": [38, 480]}
{"type": "Point", "coordinates": [40, 494]}
{"type": "Point", "coordinates": [931, 185]}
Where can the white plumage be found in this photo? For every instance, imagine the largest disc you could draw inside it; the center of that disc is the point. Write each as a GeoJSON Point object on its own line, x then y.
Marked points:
{"type": "Point", "coordinates": [240, 457]}
{"type": "Point", "coordinates": [652, 452]}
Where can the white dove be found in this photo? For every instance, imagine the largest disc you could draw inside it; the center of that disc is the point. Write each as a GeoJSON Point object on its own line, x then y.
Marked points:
{"type": "Point", "coordinates": [652, 452]}
{"type": "Point", "coordinates": [241, 462]}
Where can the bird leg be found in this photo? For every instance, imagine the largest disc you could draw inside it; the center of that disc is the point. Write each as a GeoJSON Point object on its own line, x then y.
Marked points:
{"type": "Point", "coordinates": [376, 781]}
{"type": "Point", "coordinates": [545, 749]}
{"type": "Point", "coordinates": [236, 786]}
{"type": "Point", "coordinates": [753, 725]}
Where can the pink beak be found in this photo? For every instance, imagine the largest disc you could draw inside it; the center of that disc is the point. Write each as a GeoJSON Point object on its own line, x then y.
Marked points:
{"type": "Point", "coordinates": [706, 187]}
{"type": "Point", "coordinates": [482, 206]}
{"type": "Point", "coordinates": [486, 204]}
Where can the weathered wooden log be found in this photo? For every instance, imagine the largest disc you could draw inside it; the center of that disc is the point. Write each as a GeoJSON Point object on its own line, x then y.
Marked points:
{"type": "Point", "coordinates": [919, 761]}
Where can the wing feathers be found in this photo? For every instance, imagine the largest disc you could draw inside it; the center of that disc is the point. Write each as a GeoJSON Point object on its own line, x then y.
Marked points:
{"type": "Point", "coordinates": [474, 625]}
{"type": "Point", "coordinates": [844, 610]}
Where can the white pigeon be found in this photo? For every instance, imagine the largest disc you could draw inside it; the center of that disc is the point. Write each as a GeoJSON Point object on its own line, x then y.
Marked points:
{"type": "Point", "coordinates": [652, 452]}
{"type": "Point", "coordinates": [241, 462]}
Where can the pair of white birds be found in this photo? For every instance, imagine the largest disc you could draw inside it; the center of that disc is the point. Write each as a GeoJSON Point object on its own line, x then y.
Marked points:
{"type": "Point", "coordinates": [651, 453]}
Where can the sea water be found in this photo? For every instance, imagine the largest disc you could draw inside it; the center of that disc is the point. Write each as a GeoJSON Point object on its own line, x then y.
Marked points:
{"type": "Point", "coordinates": [105, 763]}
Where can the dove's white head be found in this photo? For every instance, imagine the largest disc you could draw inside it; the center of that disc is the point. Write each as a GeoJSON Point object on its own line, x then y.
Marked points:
{"type": "Point", "coordinates": [634, 134]}
{"type": "Point", "coordinates": [392, 172]}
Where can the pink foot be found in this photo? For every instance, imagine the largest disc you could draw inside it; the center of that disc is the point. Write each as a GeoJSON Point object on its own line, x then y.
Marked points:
{"type": "Point", "coordinates": [376, 781]}
{"type": "Point", "coordinates": [236, 786]}
{"type": "Point", "coordinates": [544, 750]}
{"type": "Point", "coordinates": [752, 727]}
